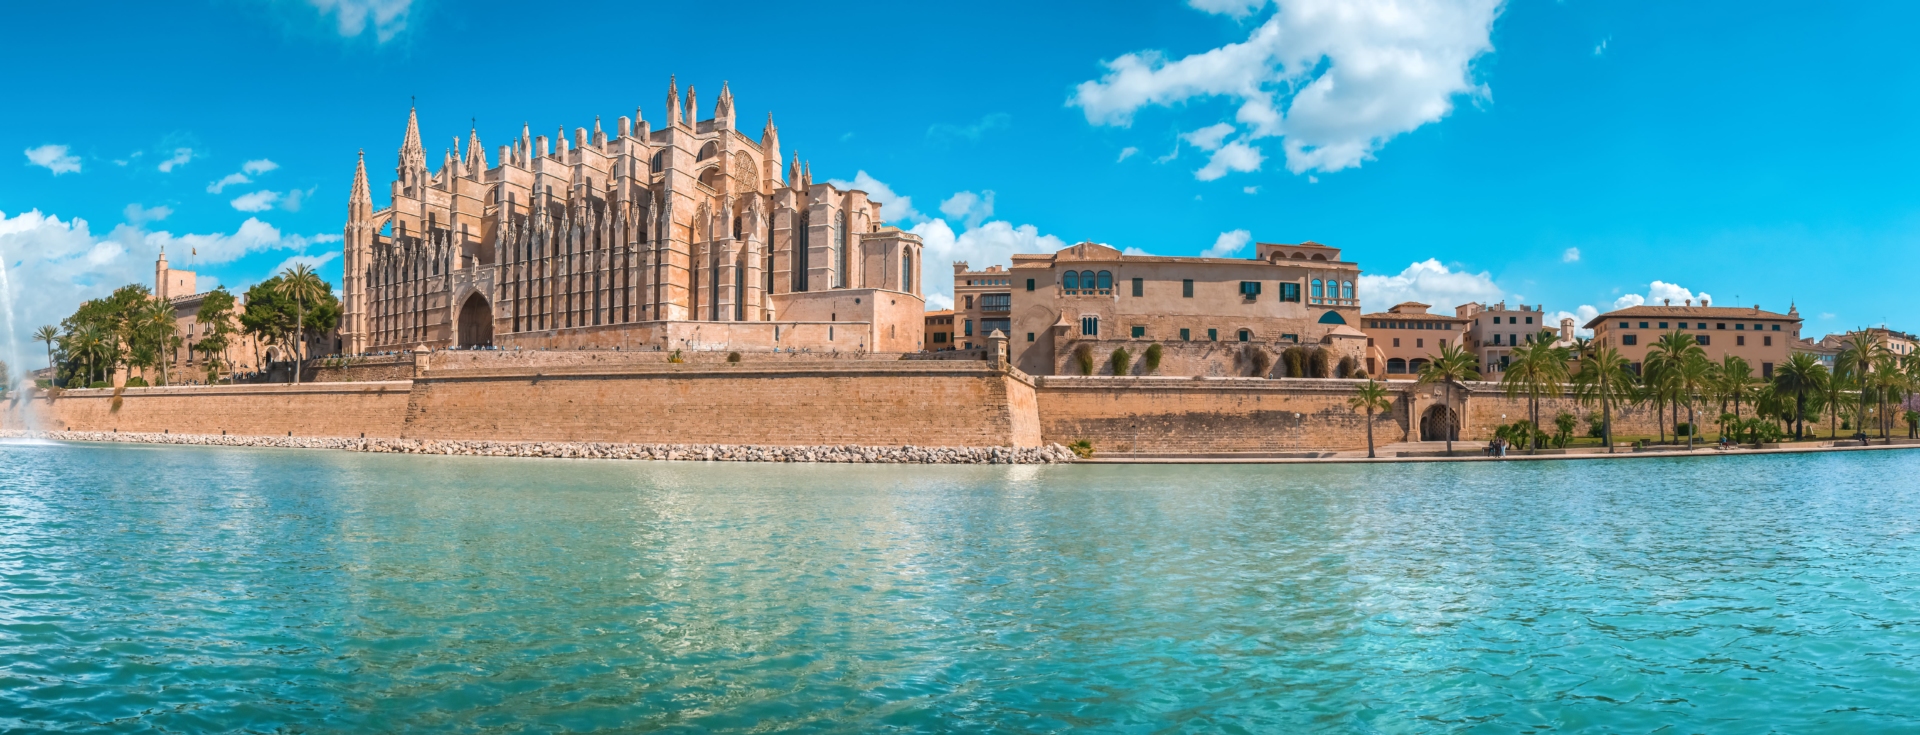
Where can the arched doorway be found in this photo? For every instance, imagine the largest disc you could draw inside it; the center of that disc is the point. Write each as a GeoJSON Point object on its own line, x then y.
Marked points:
{"type": "Point", "coordinates": [476, 323]}
{"type": "Point", "coordinates": [1439, 423]}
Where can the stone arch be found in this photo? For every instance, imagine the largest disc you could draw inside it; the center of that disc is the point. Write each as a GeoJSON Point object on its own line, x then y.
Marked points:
{"type": "Point", "coordinates": [1299, 256]}
{"type": "Point", "coordinates": [475, 323]}
{"type": "Point", "coordinates": [709, 150]}
{"type": "Point", "coordinates": [1439, 423]}
{"type": "Point", "coordinates": [710, 177]}
{"type": "Point", "coordinates": [1320, 257]}
{"type": "Point", "coordinates": [1332, 317]}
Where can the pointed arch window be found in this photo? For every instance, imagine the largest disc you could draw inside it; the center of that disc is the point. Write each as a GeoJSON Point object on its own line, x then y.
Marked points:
{"type": "Point", "coordinates": [840, 238]}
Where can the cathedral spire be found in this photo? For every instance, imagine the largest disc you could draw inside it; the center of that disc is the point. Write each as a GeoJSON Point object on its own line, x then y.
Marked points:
{"type": "Point", "coordinates": [598, 136]}
{"type": "Point", "coordinates": [793, 172]}
{"type": "Point", "coordinates": [476, 153]}
{"type": "Point", "coordinates": [693, 109]}
{"type": "Point", "coordinates": [770, 148]}
{"type": "Point", "coordinates": [360, 202]}
{"type": "Point", "coordinates": [450, 166]}
{"type": "Point", "coordinates": [673, 101]}
{"type": "Point", "coordinates": [724, 107]}
{"type": "Point", "coordinates": [413, 156]}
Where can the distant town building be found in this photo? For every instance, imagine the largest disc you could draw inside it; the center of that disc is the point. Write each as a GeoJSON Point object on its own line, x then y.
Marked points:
{"type": "Point", "coordinates": [1763, 338]}
{"type": "Point", "coordinates": [1900, 344]}
{"type": "Point", "coordinates": [939, 331]}
{"type": "Point", "coordinates": [1211, 316]}
{"type": "Point", "coordinates": [982, 302]}
{"type": "Point", "coordinates": [1405, 337]}
{"type": "Point", "coordinates": [178, 288]}
{"type": "Point", "coordinates": [1494, 330]}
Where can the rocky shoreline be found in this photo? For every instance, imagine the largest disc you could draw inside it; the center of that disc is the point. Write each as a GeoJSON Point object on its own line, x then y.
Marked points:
{"type": "Point", "coordinates": [849, 454]}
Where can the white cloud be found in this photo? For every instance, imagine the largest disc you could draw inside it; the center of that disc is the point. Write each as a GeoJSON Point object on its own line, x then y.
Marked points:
{"type": "Point", "coordinates": [1126, 153]}
{"type": "Point", "coordinates": [1235, 156]}
{"type": "Point", "coordinates": [1581, 315]}
{"type": "Point", "coordinates": [893, 207]}
{"type": "Point", "coordinates": [1428, 282]}
{"type": "Point", "coordinates": [295, 198]}
{"type": "Point", "coordinates": [260, 166]}
{"type": "Point", "coordinates": [1827, 315]}
{"type": "Point", "coordinates": [180, 158]}
{"type": "Point", "coordinates": [1210, 137]}
{"type": "Point", "coordinates": [1131, 250]}
{"type": "Point", "coordinates": [1570, 255]}
{"type": "Point", "coordinates": [992, 243]}
{"type": "Point", "coordinates": [1601, 50]}
{"type": "Point", "coordinates": [229, 180]}
{"type": "Point", "coordinates": [1250, 189]}
{"type": "Point", "coordinates": [66, 263]}
{"type": "Point", "coordinates": [1235, 8]}
{"type": "Point", "coordinates": [939, 302]}
{"type": "Point", "coordinates": [389, 17]}
{"type": "Point", "coordinates": [1350, 74]}
{"type": "Point", "coordinates": [54, 158]}
{"type": "Point", "coordinates": [1661, 293]}
{"type": "Point", "coordinates": [259, 201]}
{"type": "Point", "coordinates": [970, 132]}
{"type": "Point", "coordinates": [1227, 244]}
{"type": "Point", "coordinates": [310, 261]}
{"type": "Point", "coordinates": [969, 208]}
{"type": "Point", "coordinates": [137, 215]}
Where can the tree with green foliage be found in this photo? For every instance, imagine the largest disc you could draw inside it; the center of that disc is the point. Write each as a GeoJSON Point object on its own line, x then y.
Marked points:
{"type": "Point", "coordinates": [1693, 377]}
{"type": "Point", "coordinates": [216, 314]}
{"type": "Point", "coordinates": [1452, 365]}
{"type": "Point", "coordinates": [1800, 375]}
{"type": "Point", "coordinates": [49, 334]}
{"type": "Point", "coordinates": [1604, 376]}
{"type": "Point", "coordinates": [304, 287]}
{"type": "Point", "coordinates": [1659, 376]}
{"type": "Point", "coordinates": [1535, 369]}
{"type": "Point", "coordinates": [1861, 350]}
{"type": "Point", "coordinates": [1370, 396]}
{"type": "Point", "coordinates": [1563, 424]}
{"type": "Point", "coordinates": [1736, 381]}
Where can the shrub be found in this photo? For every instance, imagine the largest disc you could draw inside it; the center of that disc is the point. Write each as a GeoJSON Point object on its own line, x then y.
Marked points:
{"type": "Point", "coordinates": [1358, 374]}
{"type": "Point", "coordinates": [675, 358]}
{"type": "Point", "coordinates": [1151, 360]}
{"type": "Point", "coordinates": [1564, 424]}
{"type": "Point", "coordinates": [1596, 426]}
{"type": "Point", "coordinates": [1258, 359]}
{"type": "Point", "coordinates": [1293, 362]}
{"type": "Point", "coordinates": [1082, 449]}
{"type": "Point", "coordinates": [1120, 360]}
{"type": "Point", "coordinates": [1317, 366]}
{"type": "Point", "coordinates": [1682, 429]}
{"type": "Point", "coordinates": [1083, 359]}
{"type": "Point", "coordinates": [98, 384]}
{"type": "Point", "coordinates": [733, 357]}
{"type": "Point", "coordinates": [136, 382]}
{"type": "Point", "coordinates": [1346, 367]}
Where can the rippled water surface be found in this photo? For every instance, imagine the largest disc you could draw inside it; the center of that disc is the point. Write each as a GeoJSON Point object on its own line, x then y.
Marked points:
{"type": "Point", "coordinates": [198, 589]}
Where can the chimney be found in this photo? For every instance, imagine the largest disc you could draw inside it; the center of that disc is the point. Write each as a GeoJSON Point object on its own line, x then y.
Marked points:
{"type": "Point", "coordinates": [1666, 302]}
{"type": "Point", "coordinates": [1703, 301]}
{"type": "Point", "coordinates": [1689, 302]}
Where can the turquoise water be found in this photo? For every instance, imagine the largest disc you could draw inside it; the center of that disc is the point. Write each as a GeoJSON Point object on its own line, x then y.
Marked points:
{"type": "Point", "coordinates": [183, 589]}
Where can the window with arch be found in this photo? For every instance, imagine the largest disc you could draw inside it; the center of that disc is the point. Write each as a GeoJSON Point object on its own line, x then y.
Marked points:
{"type": "Point", "coordinates": [1106, 280]}
{"type": "Point", "coordinates": [711, 149]}
{"type": "Point", "coordinates": [658, 159]}
{"type": "Point", "coordinates": [906, 270]}
{"type": "Point", "coordinates": [1246, 335]}
{"type": "Point", "coordinates": [1070, 281]}
{"type": "Point", "coordinates": [840, 238]}
{"type": "Point", "coordinates": [1346, 289]}
{"type": "Point", "coordinates": [1396, 365]}
{"type": "Point", "coordinates": [1086, 280]}
{"type": "Point", "coordinates": [1317, 293]}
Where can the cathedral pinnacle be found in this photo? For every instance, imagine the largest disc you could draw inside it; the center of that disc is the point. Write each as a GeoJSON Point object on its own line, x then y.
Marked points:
{"type": "Point", "coordinates": [673, 101]}
{"type": "Point", "coordinates": [724, 107]}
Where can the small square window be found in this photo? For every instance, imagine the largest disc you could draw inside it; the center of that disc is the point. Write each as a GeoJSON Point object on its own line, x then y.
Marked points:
{"type": "Point", "coordinates": [1768, 341]}
{"type": "Point", "coordinates": [1740, 340]}
{"type": "Point", "coordinates": [1721, 325]}
{"type": "Point", "coordinates": [1643, 325]}
{"type": "Point", "coordinates": [1029, 284]}
{"type": "Point", "coordinates": [1185, 334]}
{"type": "Point", "coordinates": [1245, 335]}
{"type": "Point", "coordinates": [1139, 331]}
{"type": "Point", "coordinates": [1663, 325]}
{"type": "Point", "coordinates": [1529, 320]}
{"type": "Point", "coordinates": [1739, 327]}
{"type": "Point", "coordinates": [1029, 336]}
{"type": "Point", "coordinates": [1139, 286]}
{"type": "Point", "coordinates": [1186, 288]}
{"type": "Point", "coordinates": [1776, 327]}
{"type": "Point", "coordinates": [1213, 335]}
{"type": "Point", "coordinates": [1624, 325]}
{"type": "Point", "coordinates": [1702, 339]}
{"type": "Point", "coordinates": [1629, 340]}
{"type": "Point", "coordinates": [1396, 341]}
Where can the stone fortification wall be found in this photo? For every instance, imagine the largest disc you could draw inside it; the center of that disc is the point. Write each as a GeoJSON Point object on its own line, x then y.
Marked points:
{"type": "Point", "coordinates": [722, 337]}
{"type": "Point", "coordinates": [400, 366]}
{"type": "Point", "coordinates": [926, 404]}
{"type": "Point", "coordinates": [1214, 359]}
{"type": "Point", "coordinates": [1173, 415]}
{"type": "Point", "coordinates": [327, 410]}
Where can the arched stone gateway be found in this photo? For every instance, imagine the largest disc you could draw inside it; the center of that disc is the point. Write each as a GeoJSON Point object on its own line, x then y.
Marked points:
{"type": "Point", "coordinates": [476, 322]}
{"type": "Point", "coordinates": [1437, 423]}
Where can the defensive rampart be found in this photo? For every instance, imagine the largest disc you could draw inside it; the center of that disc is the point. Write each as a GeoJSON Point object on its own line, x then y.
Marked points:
{"type": "Point", "coordinates": [325, 409]}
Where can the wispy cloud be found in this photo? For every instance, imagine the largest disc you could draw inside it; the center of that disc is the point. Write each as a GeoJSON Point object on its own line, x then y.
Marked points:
{"type": "Point", "coordinates": [1227, 244]}
{"type": "Point", "coordinates": [973, 131]}
{"type": "Point", "coordinates": [893, 207]}
{"type": "Point", "coordinates": [1570, 255]}
{"type": "Point", "coordinates": [387, 17]}
{"type": "Point", "coordinates": [259, 201]}
{"type": "Point", "coordinates": [1126, 153]}
{"type": "Point", "coordinates": [54, 158]}
{"type": "Point", "coordinates": [1601, 50]}
{"type": "Point", "coordinates": [1429, 282]}
{"type": "Point", "coordinates": [137, 215]}
{"type": "Point", "coordinates": [180, 158]}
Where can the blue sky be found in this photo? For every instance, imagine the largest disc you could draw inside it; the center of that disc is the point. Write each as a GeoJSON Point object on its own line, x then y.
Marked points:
{"type": "Point", "coordinates": [1573, 154]}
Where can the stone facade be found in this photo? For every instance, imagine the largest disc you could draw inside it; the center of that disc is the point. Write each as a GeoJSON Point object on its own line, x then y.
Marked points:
{"type": "Point", "coordinates": [1405, 337]}
{"type": "Point", "coordinates": [596, 240]}
{"type": "Point", "coordinates": [1210, 314]}
{"type": "Point", "coordinates": [1763, 338]}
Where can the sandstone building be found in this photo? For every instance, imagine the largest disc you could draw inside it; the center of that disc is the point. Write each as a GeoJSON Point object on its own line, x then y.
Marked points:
{"type": "Point", "coordinates": [1405, 337]}
{"type": "Point", "coordinates": [1764, 338]}
{"type": "Point", "coordinates": [1211, 316]}
{"type": "Point", "coordinates": [687, 236]}
{"type": "Point", "coordinates": [1495, 330]}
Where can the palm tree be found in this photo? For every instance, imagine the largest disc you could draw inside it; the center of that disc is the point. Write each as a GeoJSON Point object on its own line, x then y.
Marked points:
{"type": "Point", "coordinates": [1370, 396]}
{"type": "Point", "coordinates": [301, 284]}
{"type": "Point", "coordinates": [1889, 385]}
{"type": "Point", "coordinates": [48, 334]}
{"type": "Point", "coordinates": [1605, 376]}
{"type": "Point", "coordinates": [1801, 374]}
{"type": "Point", "coordinates": [1451, 366]}
{"type": "Point", "coordinates": [157, 328]}
{"type": "Point", "coordinates": [1860, 351]}
{"type": "Point", "coordinates": [1692, 376]}
{"type": "Point", "coordinates": [1535, 369]}
{"type": "Point", "coordinates": [88, 342]}
{"type": "Point", "coordinates": [1736, 380]}
{"type": "Point", "coordinates": [1664, 358]}
{"type": "Point", "coordinates": [1834, 395]}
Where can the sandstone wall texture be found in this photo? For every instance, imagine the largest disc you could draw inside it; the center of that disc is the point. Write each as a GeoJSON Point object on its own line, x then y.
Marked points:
{"type": "Point", "coordinates": [323, 409]}
{"type": "Point", "coordinates": [1180, 415]}
{"type": "Point", "coordinates": [926, 404]}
